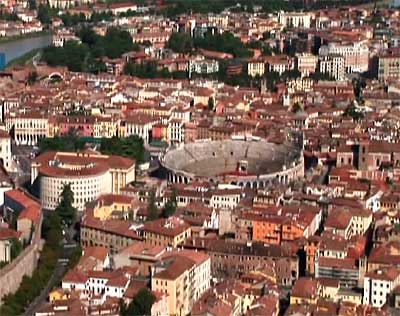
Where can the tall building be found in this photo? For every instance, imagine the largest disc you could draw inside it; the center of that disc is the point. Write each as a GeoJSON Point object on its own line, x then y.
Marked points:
{"type": "Point", "coordinates": [5, 150]}
{"type": "Point", "coordinates": [356, 55]}
{"type": "Point", "coordinates": [379, 284]}
{"type": "Point", "coordinates": [332, 65]}
{"type": "Point", "coordinates": [306, 63]}
{"type": "Point", "coordinates": [89, 174]}
{"type": "Point", "coordinates": [389, 66]}
{"type": "Point", "coordinates": [295, 19]}
{"type": "Point", "coordinates": [184, 275]}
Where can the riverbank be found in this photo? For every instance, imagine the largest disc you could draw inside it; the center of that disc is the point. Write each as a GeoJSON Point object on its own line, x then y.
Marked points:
{"type": "Point", "coordinates": [25, 59]}
{"type": "Point", "coordinates": [21, 50]}
{"type": "Point", "coordinates": [4, 40]}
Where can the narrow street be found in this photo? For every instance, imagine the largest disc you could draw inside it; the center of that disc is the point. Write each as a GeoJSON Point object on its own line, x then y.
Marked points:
{"type": "Point", "coordinates": [60, 269]}
{"type": "Point", "coordinates": [22, 161]}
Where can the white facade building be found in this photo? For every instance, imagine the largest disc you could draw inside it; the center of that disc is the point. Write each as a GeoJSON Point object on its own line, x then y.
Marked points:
{"type": "Point", "coordinates": [295, 19]}
{"type": "Point", "coordinates": [332, 65]}
{"type": "Point", "coordinates": [356, 55]}
{"type": "Point", "coordinates": [140, 125]}
{"type": "Point", "coordinates": [378, 285]}
{"type": "Point", "coordinates": [201, 65]}
{"type": "Point", "coordinates": [176, 132]}
{"type": "Point", "coordinates": [5, 150]}
{"type": "Point", "coordinates": [89, 175]}
{"type": "Point", "coordinates": [28, 128]}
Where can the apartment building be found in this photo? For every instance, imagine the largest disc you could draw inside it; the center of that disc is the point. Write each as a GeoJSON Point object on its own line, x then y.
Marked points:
{"type": "Point", "coordinates": [5, 150]}
{"type": "Point", "coordinates": [295, 19]}
{"type": "Point", "coordinates": [201, 65]}
{"type": "Point", "coordinates": [332, 65]}
{"type": "Point", "coordinates": [389, 66]}
{"type": "Point", "coordinates": [356, 55]}
{"type": "Point", "coordinates": [378, 286]}
{"type": "Point", "coordinates": [112, 234]}
{"type": "Point", "coordinates": [89, 175]}
{"type": "Point", "coordinates": [306, 63]}
{"type": "Point", "coordinates": [167, 232]}
{"type": "Point", "coordinates": [184, 276]}
{"type": "Point", "coordinates": [256, 67]}
{"type": "Point", "coordinates": [140, 125]}
{"type": "Point", "coordinates": [28, 127]}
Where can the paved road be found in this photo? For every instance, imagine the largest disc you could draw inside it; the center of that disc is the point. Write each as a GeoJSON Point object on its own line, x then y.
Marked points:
{"type": "Point", "coordinates": [22, 162]}
{"type": "Point", "coordinates": [22, 153]}
{"type": "Point", "coordinates": [41, 299]}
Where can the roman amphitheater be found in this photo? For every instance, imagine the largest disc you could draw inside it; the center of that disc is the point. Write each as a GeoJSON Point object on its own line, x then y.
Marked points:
{"type": "Point", "coordinates": [250, 163]}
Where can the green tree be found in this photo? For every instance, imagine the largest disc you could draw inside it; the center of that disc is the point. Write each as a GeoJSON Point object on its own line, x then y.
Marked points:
{"type": "Point", "coordinates": [170, 207]}
{"type": "Point", "coordinates": [225, 42]}
{"type": "Point", "coordinates": [291, 74]}
{"type": "Point", "coordinates": [32, 4]}
{"type": "Point", "coordinates": [86, 56]}
{"type": "Point", "coordinates": [297, 108]}
{"type": "Point", "coordinates": [16, 248]}
{"type": "Point", "coordinates": [4, 15]}
{"type": "Point", "coordinates": [272, 78]}
{"type": "Point", "coordinates": [152, 212]}
{"type": "Point", "coordinates": [30, 287]}
{"type": "Point", "coordinates": [101, 16]}
{"type": "Point", "coordinates": [354, 113]}
{"type": "Point", "coordinates": [43, 14]}
{"type": "Point", "coordinates": [65, 209]}
{"type": "Point", "coordinates": [75, 257]}
{"type": "Point", "coordinates": [180, 42]}
{"type": "Point", "coordinates": [32, 77]}
{"type": "Point", "coordinates": [211, 103]}
{"type": "Point", "coordinates": [358, 85]}
{"type": "Point", "coordinates": [140, 305]}
{"type": "Point", "coordinates": [131, 147]}
{"type": "Point", "coordinates": [68, 142]}
{"type": "Point", "coordinates": [117, 42]}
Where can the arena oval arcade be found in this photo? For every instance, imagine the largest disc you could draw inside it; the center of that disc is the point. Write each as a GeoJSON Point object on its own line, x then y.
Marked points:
{"type": "Point", "coordinates": [248, 162]}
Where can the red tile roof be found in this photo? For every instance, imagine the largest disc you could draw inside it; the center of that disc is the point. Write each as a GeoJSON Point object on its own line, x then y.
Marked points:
{"type": "Point", "coordinates": [305, 288]}
{"type": "Point", "coordinates": [74, 276]}
{"type": "Point", "coordinates": [21, 198]}
{"type": "Point", "coordinates": [31, 212]}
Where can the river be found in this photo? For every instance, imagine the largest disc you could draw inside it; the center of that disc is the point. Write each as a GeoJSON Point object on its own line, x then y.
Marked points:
{"type": "Point", "coordinates": [19, 47]}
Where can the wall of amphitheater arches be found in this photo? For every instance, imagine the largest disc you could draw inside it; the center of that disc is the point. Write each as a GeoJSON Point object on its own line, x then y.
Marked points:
{"type": "Point", "coordinates": [285, 176]}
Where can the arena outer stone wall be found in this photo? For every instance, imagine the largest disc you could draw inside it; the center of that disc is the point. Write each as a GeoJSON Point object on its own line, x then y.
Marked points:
{"type": "Point", "coordinates": [248, 163]}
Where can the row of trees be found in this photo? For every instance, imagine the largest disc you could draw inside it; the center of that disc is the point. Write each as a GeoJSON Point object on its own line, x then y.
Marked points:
{"type": "Point", "coordinates": [31, 287]}
{"type": "Point", "coordinates": [177, 7]}
{"type": "Point", "coordinates": [226, 42]}
{"type": "Point", "coordinates": [77, 19]}
{"type": "Point", "coordinates": [67, 142]}
{"type": "Point", "coordinates": [130, 147]}
{"type": "Point", "coordinates": [86, 56]}
{"type": "Point", "coordinates": [75, 56]}
{"type": "Point", "coordinates": [149, 70]}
